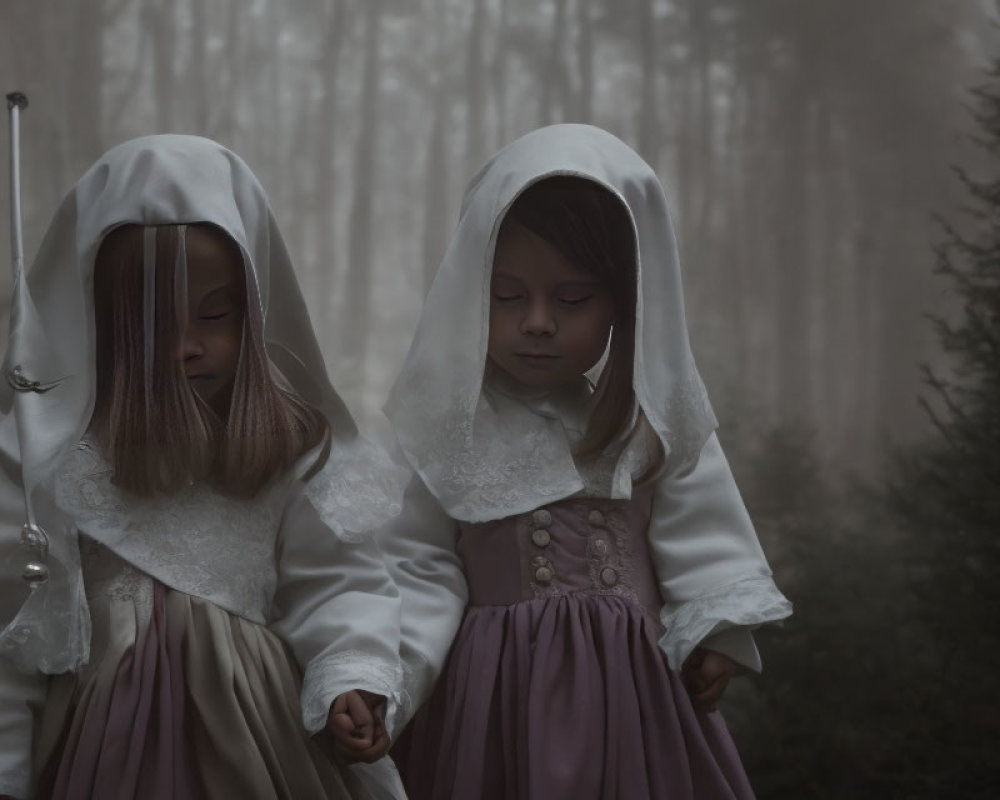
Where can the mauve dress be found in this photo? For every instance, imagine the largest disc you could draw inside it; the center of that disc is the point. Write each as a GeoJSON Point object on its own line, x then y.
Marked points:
{"type": "Point", "coordinates": [182, 701]}
{"type": "Point", "coordinates": [555, 688]}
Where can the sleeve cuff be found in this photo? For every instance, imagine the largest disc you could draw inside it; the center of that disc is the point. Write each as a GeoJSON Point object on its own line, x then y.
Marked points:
{"type": "Point", "coordinates": [747, 603]}
{"type": "Point", "coordinates": [328, 677]}
{"type": "Point", "coordinates": [735, 643]}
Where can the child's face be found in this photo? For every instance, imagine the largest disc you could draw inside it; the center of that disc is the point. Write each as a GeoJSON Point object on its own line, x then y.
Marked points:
{"type": "Point", "coordinates": [549, 321]}
{"type": "Point", "coordinates": [210, 344]}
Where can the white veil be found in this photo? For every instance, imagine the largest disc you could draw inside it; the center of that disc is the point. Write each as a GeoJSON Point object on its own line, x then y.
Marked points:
{"type": "Point", "coordinates": [486, 457]}
{"type": "Point", "coordinates": [152, 180]}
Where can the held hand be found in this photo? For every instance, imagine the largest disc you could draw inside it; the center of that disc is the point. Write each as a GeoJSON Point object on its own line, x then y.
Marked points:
{"type": "Point", "coordinates": [706, 675]}
{"type": "Point", "coordinates": [356, 721]}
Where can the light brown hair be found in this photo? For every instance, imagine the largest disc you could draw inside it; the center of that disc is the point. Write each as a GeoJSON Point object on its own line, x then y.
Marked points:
{"type": "Point", "coordinates": [592, 228]}
{"type": "Point", "coordinates": [160, 443]}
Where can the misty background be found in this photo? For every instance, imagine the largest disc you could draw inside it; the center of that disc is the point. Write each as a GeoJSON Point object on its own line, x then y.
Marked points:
{"type": "Point", "coordinates": [805, 146]}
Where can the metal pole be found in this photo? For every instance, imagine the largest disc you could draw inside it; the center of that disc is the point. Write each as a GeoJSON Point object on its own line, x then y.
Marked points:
{"type": "Point", "coordinates": [33, 538]}
{"type": "Point", "coordinates": [16, 102]}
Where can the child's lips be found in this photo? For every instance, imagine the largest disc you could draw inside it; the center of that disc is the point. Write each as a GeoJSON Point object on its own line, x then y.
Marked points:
{"type": "Point", "coordinates": [537, 359]}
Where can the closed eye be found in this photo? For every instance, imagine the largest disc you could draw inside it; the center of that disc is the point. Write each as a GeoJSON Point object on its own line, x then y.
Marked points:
{"type": "Point", "coordinates": [217, 316]}
{"type": "Point", "coordinates": [506, 298]}
{"type": "Point", "coordinates": [575, 301]}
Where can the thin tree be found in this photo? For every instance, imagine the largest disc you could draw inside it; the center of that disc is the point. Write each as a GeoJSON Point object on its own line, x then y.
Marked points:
{"type": "Point", "coordinates": [949, 488]}
{"type": "Point", "coordinates": [961, 466]}
{"type": "Point", "coordinates": [354, 333]}
{"type": "Point", "coordinates": [435, 206]}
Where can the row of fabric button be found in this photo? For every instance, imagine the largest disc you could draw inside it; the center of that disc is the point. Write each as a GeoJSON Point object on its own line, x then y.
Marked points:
{"type": "Point", "coordinates": [599, 546]}
{"type": "Point", "coordinates": [540, 537]}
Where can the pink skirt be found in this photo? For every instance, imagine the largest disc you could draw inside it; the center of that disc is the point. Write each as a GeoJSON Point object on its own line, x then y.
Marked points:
{"type": "Point", "coordinates": [193, 703]}
{"type": "Point", "coordinates": [565, 699]}
{"type": "Point", "coordinates": [555, 687]}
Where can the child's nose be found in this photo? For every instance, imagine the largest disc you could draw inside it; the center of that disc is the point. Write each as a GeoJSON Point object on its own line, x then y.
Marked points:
{"type": "Point", "coordinates": [538, 319]}
{"type": "Point", "coordinates": [189, 347]}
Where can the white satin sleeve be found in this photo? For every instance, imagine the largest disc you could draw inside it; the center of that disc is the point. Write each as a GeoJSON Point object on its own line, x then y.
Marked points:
{"type": "Point", "coordinates": [713, 576]}
{"type": "Point", "coordinates": [419, 546]}
{"type": "Point", "coordinates": [338, 609]}
{"type": "Point", "coordinates": [21, 694]}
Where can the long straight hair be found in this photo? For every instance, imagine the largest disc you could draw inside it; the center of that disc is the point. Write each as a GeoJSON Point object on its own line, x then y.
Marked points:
{"type": "Point", "coordinates": [592, 229]}
{"type": "Point", "coordinates": [161, 441]}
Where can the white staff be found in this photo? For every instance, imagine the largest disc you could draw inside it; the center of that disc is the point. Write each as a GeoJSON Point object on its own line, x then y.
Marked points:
{"type": "Point", "coordinates": [33, 538]}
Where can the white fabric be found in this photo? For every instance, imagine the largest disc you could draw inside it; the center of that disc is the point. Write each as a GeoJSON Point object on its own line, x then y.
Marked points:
{"type": "Point", "coordinates": [357, 490]}
{"type": "Point", "coordinates": [333, 601]}
{"type": "Point", "coordinates": [699, 533]}
{"type": "Point", "coordinates": [566, 411]}
{"type": "Point", "coordinates": [243, 553]}
{"type": "Point", "coordinates": [150, 180]}
{"type": "Point", "coordinates": [482, 461]}
{"type": "Point", "coordinates": [320, 579]}
{"type": "Point", "coordinates": [21, 694]}
{"type": "Point", "coordinates": [737, 644]}
{"type": "Point", "coordinates": [486, 448]}
{"type": "Point", "coordinates": [198, 540]}
{"type": "Point", "coordinates": [712, 572]}
{"type": "Point", "coordinates": [419, 546]}
{"type": "Point", "coordinates": [338, 609]}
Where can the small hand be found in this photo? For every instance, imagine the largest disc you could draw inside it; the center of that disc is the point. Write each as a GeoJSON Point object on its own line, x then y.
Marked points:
{"type": "Point", "coordinates": [356, 721]}
{"type": "Point", "coordinates": [706, 674]}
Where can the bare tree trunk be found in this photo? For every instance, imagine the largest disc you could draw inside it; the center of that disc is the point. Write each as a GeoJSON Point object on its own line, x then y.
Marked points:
{"type": "Point", "coordinates": [792, 228]}
{"type": "Point", "coordinates": [475, 90]}
{"type": "Point", "coordinates": [272, 100]}
{"type": "Point", "coordinates": [553, 78]}
{"type": "Point", "coordinates": [701, 36]}
{"type": "Point", "coordinates": [735, 253]}
{"type": "Point", "coordinates": [499, 73]}
{"type": "Point", "coordinates": [354, 328]}
{"type": "Point", "coordinates": [161, 26]}
{"type": "Point", "coordinates": [764, 245]}
{"type": "Point", "coordinates": [226, 125]}
{"type": "Point", "coordinates": [326, 147]}
{"type": "Point", "coordinates": [585, 61]}
{"type": "Point", "coordinates": [647, 124]}
{"type": "Point", "coordinates": [198, 78]}
{"type": "Point", "coordinates": [84, 105]}
{"type": "Point", "coordinates": [435, 233]}
{"type": "Point", "coordinates": [308, 221]}
{"type": "Point", "coordinates": [836, 329]}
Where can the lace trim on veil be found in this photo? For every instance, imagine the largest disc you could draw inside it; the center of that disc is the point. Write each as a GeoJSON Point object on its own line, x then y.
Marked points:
{"type": "Point", "coordinates": [358, 489]}
{"type": "Point", "coordinates": [233, 567]}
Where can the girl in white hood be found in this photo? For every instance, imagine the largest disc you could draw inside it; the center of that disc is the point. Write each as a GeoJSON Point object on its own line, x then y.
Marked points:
{"type": "Point", "coordinates": [572, 515]}
{"type": "Point", "coordinates": [213, 598]}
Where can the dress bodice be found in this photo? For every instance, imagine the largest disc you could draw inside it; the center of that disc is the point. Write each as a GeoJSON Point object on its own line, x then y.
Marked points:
{"type": "Point", "coordinates": [595, 546]}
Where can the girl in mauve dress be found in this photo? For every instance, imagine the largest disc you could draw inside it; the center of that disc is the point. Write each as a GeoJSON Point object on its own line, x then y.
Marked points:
{"type": "Point", "coordinates": [217, 621]}
{"type": "Point", "coordinates": [572, 522]}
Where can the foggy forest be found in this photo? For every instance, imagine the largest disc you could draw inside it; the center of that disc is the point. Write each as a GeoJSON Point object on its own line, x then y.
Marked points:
{"type": "Point", "coordinates": [833, 170]}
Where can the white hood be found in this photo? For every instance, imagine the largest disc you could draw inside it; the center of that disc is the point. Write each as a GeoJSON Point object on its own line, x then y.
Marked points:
{"type": "Point", "coordinates": [486, 455]}
{"type": "Point", "coordinates": [148, 181]}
